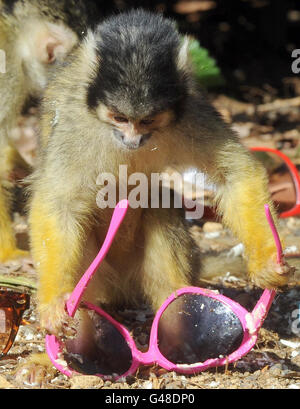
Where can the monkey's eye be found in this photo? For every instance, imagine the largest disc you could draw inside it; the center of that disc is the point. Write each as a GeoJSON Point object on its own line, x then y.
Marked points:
{"type": "Point", "coordinates": [120, 119]}
{"type": "Point", "coordinates": [146, 121]}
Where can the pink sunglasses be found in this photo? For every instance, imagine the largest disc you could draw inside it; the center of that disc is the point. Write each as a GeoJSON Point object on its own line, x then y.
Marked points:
{"type": "Point", "coordinates": [215, 330]}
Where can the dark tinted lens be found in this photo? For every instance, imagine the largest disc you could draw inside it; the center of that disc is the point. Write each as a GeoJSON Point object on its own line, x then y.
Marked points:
{"type": "Point", "coordinates": [6, 322]}
{"type": "Point", "coordinates": [98, 347]}
{"type": "Point", "coordinates": [281, 183]}
{"type": "Point", "coordinates": [194, 328]}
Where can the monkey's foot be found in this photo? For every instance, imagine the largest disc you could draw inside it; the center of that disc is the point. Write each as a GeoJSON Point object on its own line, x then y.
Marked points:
{"type": "Point", "coordinates": [12, 254]}
{"type": "Point", "coordinates": [36, 372]}
{"type": "Point", "coordinates": [55, 319]}
{"type": "Point", "coordinates": [274, 275]}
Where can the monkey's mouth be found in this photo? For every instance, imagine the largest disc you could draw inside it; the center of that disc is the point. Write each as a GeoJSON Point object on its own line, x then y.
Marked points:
{"type": "Point", "coordinates": [131, 146]}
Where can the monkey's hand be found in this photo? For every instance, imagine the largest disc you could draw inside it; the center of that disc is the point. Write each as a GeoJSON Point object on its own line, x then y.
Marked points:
{"type": "Point", "coordinates": [272, 275]}
{"type": "Point", "coordinates": [55, 319]}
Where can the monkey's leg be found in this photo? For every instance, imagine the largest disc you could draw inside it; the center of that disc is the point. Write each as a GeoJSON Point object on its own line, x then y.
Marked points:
{"type": "Point", "coordinates": [36, 371]}
{"type": "Point", "coordinates": [8, 246]}
{"type": "Point", "coordinates": [171, 260]}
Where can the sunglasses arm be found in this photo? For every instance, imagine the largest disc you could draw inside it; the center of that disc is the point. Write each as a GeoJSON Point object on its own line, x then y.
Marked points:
{"type": "Point", "coordinates": [261, 309]}
{"type": "Point", "coordinates": [263, 305]}
{"type": "Point", "coordinates": [117, 218]}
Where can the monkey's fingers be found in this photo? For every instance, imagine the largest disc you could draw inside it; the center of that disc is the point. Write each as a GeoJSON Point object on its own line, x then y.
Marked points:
{"type": "Point", "coordinates": [36, 371]}
{"type": "Point", "coordinates": [285, 269]}
{"type": "Point", "coordinates": [274, 275]}
{"type": "Point", "coordinates": [55, 319]}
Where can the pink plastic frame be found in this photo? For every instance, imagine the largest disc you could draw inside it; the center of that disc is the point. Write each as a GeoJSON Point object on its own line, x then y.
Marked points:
{"type": "Point", "coordinates": [251, 322]}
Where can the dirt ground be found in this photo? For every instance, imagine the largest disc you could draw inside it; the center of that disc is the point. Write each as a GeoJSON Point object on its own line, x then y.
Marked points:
{"type": "Point", "coordinates": [275, 360]}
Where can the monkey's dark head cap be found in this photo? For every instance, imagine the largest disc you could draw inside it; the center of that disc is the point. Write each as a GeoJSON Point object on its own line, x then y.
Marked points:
{"type": "Point", "coordinates": [138, 72]}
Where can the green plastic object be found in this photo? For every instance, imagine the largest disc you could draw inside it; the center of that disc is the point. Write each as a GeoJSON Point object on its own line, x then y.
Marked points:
{"type": "Point", "coordinates": [205, 67]}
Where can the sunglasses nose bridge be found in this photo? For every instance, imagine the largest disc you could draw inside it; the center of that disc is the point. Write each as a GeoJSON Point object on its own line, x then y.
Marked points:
{"type": "Point", "coordinates": [146, 358]}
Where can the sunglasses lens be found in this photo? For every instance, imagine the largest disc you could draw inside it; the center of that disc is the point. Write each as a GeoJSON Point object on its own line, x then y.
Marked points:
{"type": "Point", "coordinates": [281, 182]}
{"type": "Point", "coordinates": [98, 348]}
{"type": "Point", "coordinates": [194, 328]}
{"type": "Point", "coordinates": [6, 320]}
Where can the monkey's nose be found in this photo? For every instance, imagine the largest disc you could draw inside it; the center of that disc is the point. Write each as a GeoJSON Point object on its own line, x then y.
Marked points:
{"type": "Point", "coordinates": [145, 138]}
{"type": "Point", "coordinates": [130, 142]}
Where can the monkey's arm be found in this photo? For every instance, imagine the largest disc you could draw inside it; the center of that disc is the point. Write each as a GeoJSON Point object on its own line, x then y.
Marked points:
{"type": "Point", "coordinates": [56, 243]}
{"type": "Point", "coordinates": [241, 199]}
{"type": "Point", "coordinates": [241, 195]}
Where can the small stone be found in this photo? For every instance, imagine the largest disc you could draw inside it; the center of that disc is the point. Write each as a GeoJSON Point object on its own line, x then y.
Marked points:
{"type": "Point", "coordinates": [210, 227]}
{"type": "Point", "coordinates": [86, 382]}
{"type": "Point", "coordinates": [148, 385]}
{"type": "Point", "coordinates": [294, 386]}
{"type": "Point", "coordinates": [174, 385]}
{"type": "Point", "coordinates": [4, 384]}
{"type": "Point", "coordinates": [214, 384]}
{"type": "Point", "coordinates": [276, 369]}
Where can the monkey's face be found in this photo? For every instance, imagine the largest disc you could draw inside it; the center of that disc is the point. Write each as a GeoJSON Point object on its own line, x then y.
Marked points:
{"type": "Point", "coordinates": [133, 133]}
{"type": "Point", "coordinates": [139, 75]}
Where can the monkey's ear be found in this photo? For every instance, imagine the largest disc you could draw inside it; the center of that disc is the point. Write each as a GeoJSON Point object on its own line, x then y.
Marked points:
{"type": "Point", "coordinates": [53, 42]}
{"type": "Point", "coordinates": [183, 54]}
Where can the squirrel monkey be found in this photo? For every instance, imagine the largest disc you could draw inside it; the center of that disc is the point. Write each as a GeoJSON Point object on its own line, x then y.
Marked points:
{"type": "Point", "coordinates": [34, 35]}
{"type": "Point", "coordinates": [128, 97]}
